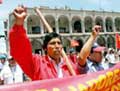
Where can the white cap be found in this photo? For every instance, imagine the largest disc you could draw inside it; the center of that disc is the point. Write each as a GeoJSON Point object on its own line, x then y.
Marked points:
{"type": "Point", "coordinates": [10, 57]}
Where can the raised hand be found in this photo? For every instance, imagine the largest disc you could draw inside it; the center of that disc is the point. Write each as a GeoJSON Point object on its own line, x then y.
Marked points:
{"type": "Point", "coordinates": [95, 30]}
{"type": "Point", "coordinates": [20, 13]}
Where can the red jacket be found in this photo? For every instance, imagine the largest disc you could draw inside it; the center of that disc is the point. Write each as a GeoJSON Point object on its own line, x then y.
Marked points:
{"type": "Point", "coordinates": [35, 66]}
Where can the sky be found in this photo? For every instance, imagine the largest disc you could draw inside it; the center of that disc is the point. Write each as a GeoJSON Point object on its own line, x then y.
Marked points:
{"type": "Point", "coordinates": [8, 6]}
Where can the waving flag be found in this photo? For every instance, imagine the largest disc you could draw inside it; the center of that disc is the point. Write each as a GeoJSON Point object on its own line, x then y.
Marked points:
{"type": "Point", "coordinates": [117, 41]}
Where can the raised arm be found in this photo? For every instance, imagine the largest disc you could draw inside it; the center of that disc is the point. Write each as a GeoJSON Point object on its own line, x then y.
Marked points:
{"type": "Point", "coordinates": [20, 46]}
{"type": "Point", "coordinates": [85, 51]}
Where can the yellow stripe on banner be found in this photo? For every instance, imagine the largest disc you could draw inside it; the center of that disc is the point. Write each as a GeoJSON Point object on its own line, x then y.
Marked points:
{"type": "Point", "coordinates": [82, 87]}
{"type": "Point", "coordinates": [72, 88]}
{"type": "Point", "coordinates": [56, 89]}
{"type": "Point", "coordinates": [41, 90]}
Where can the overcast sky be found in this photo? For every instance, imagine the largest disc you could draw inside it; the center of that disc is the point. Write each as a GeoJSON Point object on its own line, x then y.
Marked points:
{"type": "Point", "coordinates": [8, 5]}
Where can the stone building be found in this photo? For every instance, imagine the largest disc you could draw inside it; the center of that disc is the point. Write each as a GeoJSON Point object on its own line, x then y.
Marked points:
{"type": "Point", "coordinates": [71, 24]}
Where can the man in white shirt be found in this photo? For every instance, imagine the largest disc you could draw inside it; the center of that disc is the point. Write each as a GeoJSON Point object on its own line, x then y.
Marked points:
{"type": "Point", "coordinates": [11, 73]}
{"type": "Point", "coordinates": [111, 57]}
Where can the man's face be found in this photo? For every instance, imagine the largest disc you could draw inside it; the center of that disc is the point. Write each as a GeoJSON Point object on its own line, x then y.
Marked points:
{"type": "Point", "coordinates": [54, 48]}
{"type": "Point", "coordinates": [12, 62]}
{"type": "Point", "coordinates": [96, 56]}
{"type": "Point", "coordinates": [2, 61]}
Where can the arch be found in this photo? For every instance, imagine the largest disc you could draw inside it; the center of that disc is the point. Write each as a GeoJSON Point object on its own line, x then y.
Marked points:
{"type": "Point", "coordinates": [51, 21]}
{"type": "Point", "coordinates": [33, 25]}
{"type": "Point", "coordinates": [117, 24]}
{"type": "Point", "coordinates": [76, 25]}
{"type": "Point", "coordinates": [99, 21]}
{"type": "Point", "coordinates": [109, 24]}
{"type": "Point", "coordinates": [63, 24]}
{"type": "Point", "coordinates": [36, 46]}
{"type": "Point", "coordinates": [101, 41]}
{"type": "Point", "coordinates": [88, 22]}
{"type": "Point", "coordinates": [66, 43]}
{"type": "Point", "coordinates": [110, 42]}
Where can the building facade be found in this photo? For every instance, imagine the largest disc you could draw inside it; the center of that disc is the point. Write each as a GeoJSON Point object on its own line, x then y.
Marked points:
{"type": "Point", "coordinates": [71, 24]}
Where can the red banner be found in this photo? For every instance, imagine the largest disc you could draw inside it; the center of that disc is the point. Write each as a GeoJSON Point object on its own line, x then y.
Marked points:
{"type": "Point", "coordinates": [107, 80]}
{"type": "Point", "coordinates": [117, 41]}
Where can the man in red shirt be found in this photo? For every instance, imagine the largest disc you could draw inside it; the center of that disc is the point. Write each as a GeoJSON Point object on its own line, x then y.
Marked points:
{"type": "Point", "coordinates": [51, 65]}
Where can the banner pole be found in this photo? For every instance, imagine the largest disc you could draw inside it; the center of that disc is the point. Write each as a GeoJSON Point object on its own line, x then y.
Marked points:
{"type": "Point", "coordinates": [50, 30]}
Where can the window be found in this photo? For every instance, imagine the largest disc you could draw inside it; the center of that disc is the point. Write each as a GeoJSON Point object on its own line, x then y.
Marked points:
{"type": "Point", "coordinates": [35, 30]}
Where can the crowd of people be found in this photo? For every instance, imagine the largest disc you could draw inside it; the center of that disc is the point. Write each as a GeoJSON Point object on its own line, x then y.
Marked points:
{"type": "Point", "coordinates": [90, 57]}
{"type": "Point", "coordinates": [10, 71]}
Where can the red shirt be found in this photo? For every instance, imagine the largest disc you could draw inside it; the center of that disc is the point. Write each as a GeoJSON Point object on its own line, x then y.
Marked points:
{"type": "Point", "coordinates": [35, 66]}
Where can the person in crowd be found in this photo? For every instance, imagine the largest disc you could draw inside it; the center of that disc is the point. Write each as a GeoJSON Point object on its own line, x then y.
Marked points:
{"type": "Point", "coordinates": [111, 57]}
{"type": "Point", "coordinates": [105, 61]}
{"type": "Point", "coordinates": [49, 66]}
{"type": "Point", "coordinates": [11, 73]}
{"type": "Point", "coordinates": [2, 60]}
{"type": "Point", "coordinates": [79, 46]}
{"type": "Point", "coordinates": [72, 54]}
{"type": "Point", "coordinates": [94, 60]}
{"type": "Point", "coordinates": [117, 57]}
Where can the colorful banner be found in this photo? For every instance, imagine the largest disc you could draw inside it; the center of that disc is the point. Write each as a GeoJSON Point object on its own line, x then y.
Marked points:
{"type": "Point", "coordinates": [107, 80]}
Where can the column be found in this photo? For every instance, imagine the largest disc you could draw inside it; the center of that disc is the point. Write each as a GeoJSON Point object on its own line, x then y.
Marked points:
{"type": "Point", "coordinates": [56, 25]}
{"type": "Point", "coordinates": [42, 27]}
{"type": "Point", "coordinates": [113, 25]}
{"type": "Point", "coordinates": [83, 25]}
{"type": "Point", "coordinates": [104, 25]}
{"type": "Point", "coordinates": [70, 26]}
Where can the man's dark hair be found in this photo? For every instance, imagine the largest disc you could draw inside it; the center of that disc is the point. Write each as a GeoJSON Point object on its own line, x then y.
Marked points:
{"type": "Point", "coordinates": [79, 47]}
{"type": "Point", "coordinates": [48, 37]}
